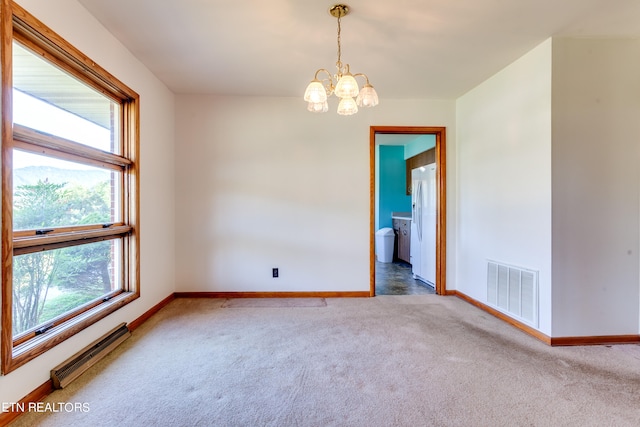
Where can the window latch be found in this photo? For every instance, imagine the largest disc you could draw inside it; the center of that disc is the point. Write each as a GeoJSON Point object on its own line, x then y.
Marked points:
{"type": "Point", "coordinates": [44, 329]}
{"type": "Point", "coordinates": [43, 231]}
{"type": "Point", "coordinates": [106, 225]}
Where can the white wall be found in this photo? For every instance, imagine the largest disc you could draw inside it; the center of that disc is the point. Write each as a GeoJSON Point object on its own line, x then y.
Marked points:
{"type": "Point", "coordinates": [596, 134]}
{"type": "Point", "coordinates": [74, 23]}
{"type": "Point", "coordinates": [504, 176]}
{"type": "Point", "coordinates": [264, 183]}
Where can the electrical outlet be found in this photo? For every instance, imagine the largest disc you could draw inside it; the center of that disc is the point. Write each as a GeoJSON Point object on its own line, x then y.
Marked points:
{"type": "Point", "coordinates": [274, 272]}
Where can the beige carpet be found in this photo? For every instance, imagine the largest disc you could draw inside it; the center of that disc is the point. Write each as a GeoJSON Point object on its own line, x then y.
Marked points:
{"type": "Point", "coordinates": [384, 361]}
{"type": "Point", "coordinates": [273, 302]}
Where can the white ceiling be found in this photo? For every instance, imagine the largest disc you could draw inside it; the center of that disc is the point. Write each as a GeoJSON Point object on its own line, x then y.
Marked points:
{"type": "Point", "coordinates": [409, 48]}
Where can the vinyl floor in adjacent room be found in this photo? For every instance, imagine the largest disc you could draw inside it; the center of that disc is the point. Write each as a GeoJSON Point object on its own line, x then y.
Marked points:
{"type": "Point", "coordinates": [396, 278]}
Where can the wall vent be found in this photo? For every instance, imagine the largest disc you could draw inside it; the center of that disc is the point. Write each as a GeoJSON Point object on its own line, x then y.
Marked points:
{"type": "Point", "coordinates": [71, 369]}
{"type": "Point", "coordinates": [513, 291]}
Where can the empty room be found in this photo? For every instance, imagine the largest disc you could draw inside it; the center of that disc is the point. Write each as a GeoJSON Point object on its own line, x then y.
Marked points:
{"type": "Point", "coordinates": [315, 213]}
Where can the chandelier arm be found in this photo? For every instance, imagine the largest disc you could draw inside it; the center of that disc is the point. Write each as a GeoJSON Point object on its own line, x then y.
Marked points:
{"type": "Point", "coordinates": [328, 82]}
{"type": "Point", "coordinates": [320, 71]}
{"type": "Point", "coordinates": [362, 75]}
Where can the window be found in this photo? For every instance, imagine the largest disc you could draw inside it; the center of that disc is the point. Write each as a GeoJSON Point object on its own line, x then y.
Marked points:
{"type": "Point", "coordinates": [70, 190]}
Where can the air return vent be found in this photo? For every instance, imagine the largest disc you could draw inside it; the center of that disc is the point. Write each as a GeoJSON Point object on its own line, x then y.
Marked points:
{"type": "Point", "coordinates": [71, 369]}
{"type": "Point", "coordinates": [513, 291]}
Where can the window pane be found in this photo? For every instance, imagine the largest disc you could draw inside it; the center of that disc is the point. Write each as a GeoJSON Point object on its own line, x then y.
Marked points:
{"type": "Point", "coordinates": [50, 283]}
{"type": "Point", "coordinates": [49, 193]}
{"type": "Point", "coordinates": [50, 100]}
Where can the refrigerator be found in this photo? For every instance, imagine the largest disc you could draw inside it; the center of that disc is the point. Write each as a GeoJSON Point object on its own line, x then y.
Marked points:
{"type": "Point", "coordinates": [423, 223]}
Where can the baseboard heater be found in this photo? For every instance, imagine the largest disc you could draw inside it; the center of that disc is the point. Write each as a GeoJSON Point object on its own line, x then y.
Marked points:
{"type": "Point", "coordinates": [73, 367]}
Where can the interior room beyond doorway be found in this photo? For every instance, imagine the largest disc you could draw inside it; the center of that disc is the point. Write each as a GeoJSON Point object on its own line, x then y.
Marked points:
{"type": "Point", "coordinates": [395, 153]}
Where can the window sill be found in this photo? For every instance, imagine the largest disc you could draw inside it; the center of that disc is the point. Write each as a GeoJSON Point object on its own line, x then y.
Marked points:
{"type": "Point", "coordinates": [33, 348]}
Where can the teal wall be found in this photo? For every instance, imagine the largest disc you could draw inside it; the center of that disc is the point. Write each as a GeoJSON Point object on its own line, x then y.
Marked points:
{"type": "Point", "coordinates": [392, 192]}
{"type": "Point", "coordinates": [418, 145]}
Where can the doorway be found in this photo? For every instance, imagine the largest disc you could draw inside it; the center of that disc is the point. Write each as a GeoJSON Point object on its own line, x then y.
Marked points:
{"type": "Point", "coordinates": [440, 156]}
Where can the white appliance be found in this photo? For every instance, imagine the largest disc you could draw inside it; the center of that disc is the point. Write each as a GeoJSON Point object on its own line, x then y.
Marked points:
{"type": "Point", "coordinates": [423, 223]}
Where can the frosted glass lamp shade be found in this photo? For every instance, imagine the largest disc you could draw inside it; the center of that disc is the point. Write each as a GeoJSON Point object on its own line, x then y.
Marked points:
{"type": "Point", "coordinates": [347, 107]}
{"type": "Point", "coordinates": [347, 87]}
{"type": "Point", "coordinates": [367, 97]}
{"type": "Point", "coordinates": [318, 107]}
{"type": "Point", "coordinates": [315, 92]}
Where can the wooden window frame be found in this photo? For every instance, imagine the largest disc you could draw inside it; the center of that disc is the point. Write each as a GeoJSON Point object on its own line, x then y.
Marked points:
{"type": "Point", "coordinates": [17, 24]}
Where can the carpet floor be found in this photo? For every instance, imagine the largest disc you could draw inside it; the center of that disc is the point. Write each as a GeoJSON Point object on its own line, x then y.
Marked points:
{"type": "Point", "coordinates": [420, 360]}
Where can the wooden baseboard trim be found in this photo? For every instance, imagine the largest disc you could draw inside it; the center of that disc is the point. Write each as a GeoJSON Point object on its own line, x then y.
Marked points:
{"type": "Point", "coordinates": [552, 341]}
{"type": "Point", "coordinates": [363, 294]}
{"type": "Point", "coordinates": [527, 329]}
{"type": "Point", "coordinates": [23, 405]}
{"type": "Point", "coordinates": [596, 340]}
{"type": "Point", "coordinates": [133, 325]}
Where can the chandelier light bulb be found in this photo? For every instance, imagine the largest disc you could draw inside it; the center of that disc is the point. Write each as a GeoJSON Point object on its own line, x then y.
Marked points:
{"type": "Point", "coordinates": [347, 107]}
{"type": "Point", "coordinates": [367, 97]}
{"type": "Point", "coordinates": [347, 87]}
{"type": "Point", "coordinates": [315, 92]}
{"type": "Point", "coordinates": [318, 107]}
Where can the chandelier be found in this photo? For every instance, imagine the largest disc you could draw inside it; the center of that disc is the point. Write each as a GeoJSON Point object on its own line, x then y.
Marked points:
{"type": "Point", "coordinates": [343, 84]}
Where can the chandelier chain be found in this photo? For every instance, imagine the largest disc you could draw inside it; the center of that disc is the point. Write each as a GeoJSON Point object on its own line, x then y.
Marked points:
{"type": "Point", "coordinates": [339, 63]}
